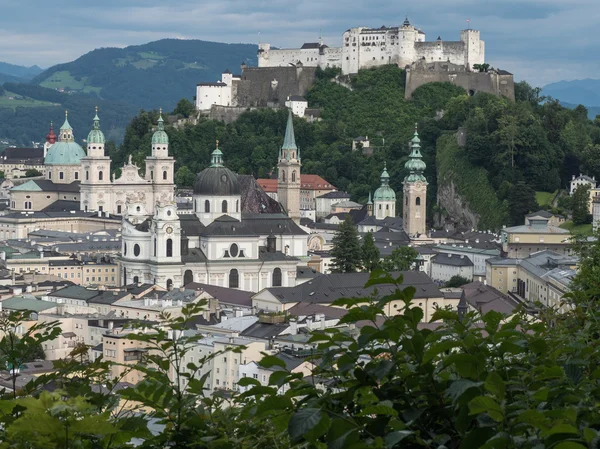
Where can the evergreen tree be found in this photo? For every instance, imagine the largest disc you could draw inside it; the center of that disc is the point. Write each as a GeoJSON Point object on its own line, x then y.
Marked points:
{"type": "Point", "coordinates": [580, 204]}
{"type": "Point", "coordinates": [522, 201]}
{"type": "Point", "coordinates": [401, 259]}
{"type": "Point", "coordinates": [346, 250]}
{"type": "Point", "coordinates": [370, 253]}
{"type": "Point", "coordinates": [456, 281]}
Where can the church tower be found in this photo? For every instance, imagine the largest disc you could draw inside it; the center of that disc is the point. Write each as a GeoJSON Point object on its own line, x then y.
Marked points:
{"type": "Point", "coordinates": [415, 191]}
{"type": "Point", "coordinates": [384, 200]}
{"type": "Point", "coordinates": [95, 190]}
{"type": "Point", "coordinates": [160, 166]}
{"type": "Point", "coordinates": [288, 181]}
{"type": "Point", "coordinates": [50, 140]}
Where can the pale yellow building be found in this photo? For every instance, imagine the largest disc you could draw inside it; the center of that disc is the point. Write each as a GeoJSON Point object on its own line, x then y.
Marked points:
{"type": "Point", "coordinates": [522, 241]}
{"type": "Point", "coordinates": [502, 274]}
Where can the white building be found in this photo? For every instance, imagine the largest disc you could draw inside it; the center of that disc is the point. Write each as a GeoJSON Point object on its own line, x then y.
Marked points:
{"type": "Point", "coordinates": [218, 244]}
{"type": "Point", "coordinates": [297, 104]}
{"type": "Point", "coordinates": [445, 266]}
{"type": "Point", "coordinates": [581, 180]}
{"type": "Point", "coordinates": [364, 47]}
{"type": "Point", "coordinates": [476, 254]}
{"type": "Point", "coordinates": [596, 212]}
{"type": "Point", "coordinates": [218, 93]}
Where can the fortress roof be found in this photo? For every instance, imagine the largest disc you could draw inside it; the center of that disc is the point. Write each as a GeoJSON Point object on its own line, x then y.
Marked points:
{"type": "Point", "coordinates": [218, 83]}
{"type": "Point", "coordinates": [309, 45]}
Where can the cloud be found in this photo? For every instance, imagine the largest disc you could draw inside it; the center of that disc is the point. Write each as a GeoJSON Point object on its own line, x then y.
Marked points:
{"type": "Point", "coordinates": [538, 40]}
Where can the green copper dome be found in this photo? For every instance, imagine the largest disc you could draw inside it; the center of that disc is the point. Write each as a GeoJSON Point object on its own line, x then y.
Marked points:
{"type": "Point", "coordinates": [160, 137]}
{"type": "Point", "coordinates": [96, 135]}
{"type": "Point", "coordinates": [385, 192]}
{"type": "Point", "coordinates": [66, 151]}
{"type": "Point", "coordinates": [415, 164]}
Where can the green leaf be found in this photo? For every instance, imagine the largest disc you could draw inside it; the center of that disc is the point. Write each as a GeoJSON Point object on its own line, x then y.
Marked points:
{"type": "Point", "coordinates": [379, 409]}
{"type": "Point", "coordinates": [569, 445]}
{"type": "Point", "coordinates": [466, 365]}
{"type": "Point", "coordinates": [485, 404]}
{"type": "Point", "coordinates": [562, 428]}
{"type": "Point", "coordinates": [459, 387]}
{"type": "Point", "coordinates": [477, 437]}
{"type": "Point", "coordinates": [437, 348]}
{"type": "Point", "coordinates": [304, 420]}
{"type": "Point", "coordinates": [247, 381]}
{"type": "Point", "coordinates": [495, 385]}
{"type": "Point", "coordinates": [395, 437]}
{"type": "Point", "coordinates": [269, 361]}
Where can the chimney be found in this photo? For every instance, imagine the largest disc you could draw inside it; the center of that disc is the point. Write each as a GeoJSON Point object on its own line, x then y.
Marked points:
{"type": "Point", "coordinates": [99, 214]}
{"type": "Point", "coordinates": [293, 326]}
{"type": "Point", "coordinates": [181, 289]}
{"type": "Point", "coordinates": [237, 312]}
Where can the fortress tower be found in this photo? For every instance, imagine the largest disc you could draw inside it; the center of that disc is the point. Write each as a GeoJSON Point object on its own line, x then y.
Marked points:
{"type": "Point", "coordinates": [415, 191]}
{"type": "Point", "coordinates": [288, 181]}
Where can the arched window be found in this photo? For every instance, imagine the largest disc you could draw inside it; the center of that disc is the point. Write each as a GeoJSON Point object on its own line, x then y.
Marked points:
{"type": "Point", "coordinates": [418, 201]}
{"type": "Point", "coordinates": [100, 175]}
{"type": "Point", "coordinates": [136, 279]}
{"type": "Point", "coordinates": [207, 206]}
{"type": "Point", "coordinates": [406, 200]}
{"type": "Point", "coordinates": [124, 276]}
{"type": "Point", "coordinates": [49, 174]}
{"type": "Point", "coordinates": [136, 250]}
{"type": "Point", "coordinates": [294, 176]}
{"type": "Point", "coordinates": [169, 283]}
{"type": "Point", "coordinates": [237, 206]}
{"type": "Point", "coordinates": [224, 206]}
{"type": "Point", "coordinates": [118, 209]}
{"type": "Point", "coordinates": [387, 207]}
{"type": "Point", "coordinates": [76, 175]}
{"type": "Point", "coordinates": [151, 174]}
{"type": "Point", "coordinates": [277, 277]}
{"type": "Point", "coordinates": [169, 247]}
{"type": "Point", "coordinates": [188, 277]}
{"type": "Point", "coordinates": [155, 247]}
{"type": "Point", "coordinates": [283, 176]}
{"type": "Point", "coordinates": [380, 207]}
{"type": "Point", "coordinates": [87, 175]}
{"type": "Point", "coordinates": [124, 249]}
{"type": "Point", "coordinates": [165, 175]}
{"type": "Point", "coordinates": [61, 175]}
{"type": "Point", "coordinates": [234, 279]}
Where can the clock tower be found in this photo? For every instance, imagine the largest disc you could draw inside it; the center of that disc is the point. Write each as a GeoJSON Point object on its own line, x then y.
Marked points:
{"type": "Point", "coordinates": [415, 191]}
{"type": "Point", "coordinates": [166, 234]}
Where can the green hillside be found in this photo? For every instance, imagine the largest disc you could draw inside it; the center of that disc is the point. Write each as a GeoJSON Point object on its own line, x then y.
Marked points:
{"type": "Point", "coordinates": [148, 76]}
{"type": "Point", "coordinates": [513, 149]}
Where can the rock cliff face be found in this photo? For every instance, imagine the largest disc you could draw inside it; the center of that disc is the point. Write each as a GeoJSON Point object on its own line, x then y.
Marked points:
{"type": "Point", "coordinates": [454, 206]}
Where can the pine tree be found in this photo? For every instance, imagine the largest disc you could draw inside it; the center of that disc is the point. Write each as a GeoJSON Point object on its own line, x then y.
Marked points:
{"type": "Point", "coordinates": [370, 253]}
{"type": "Point", "coordinates": [346, 249]}
{"type": "Point", "coordinates": [401, 259]}
{"type": "Point", "coordinates": [580, 204]}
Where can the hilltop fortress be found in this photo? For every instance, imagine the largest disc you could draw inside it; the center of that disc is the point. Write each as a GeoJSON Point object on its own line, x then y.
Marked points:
{"type": "Point", "coordinates": [363, 48]}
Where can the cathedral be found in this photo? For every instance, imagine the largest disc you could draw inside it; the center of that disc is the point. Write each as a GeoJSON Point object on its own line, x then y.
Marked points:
{"type": "Point", "coordinates": [224, 242]}
{"type": "Point", "coordinates": [76, 180]}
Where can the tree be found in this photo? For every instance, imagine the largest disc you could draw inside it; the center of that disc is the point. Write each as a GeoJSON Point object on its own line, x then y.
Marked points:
{"type": "Point", "coordinates": [184, 177]}
{"type": "Point", "coordinates": [346, 251]}
{"type": "Point", "coordinates": [185, 108]}
{"type": "Point", "coordinates": [456, 281]}
{"type": "Point", "coordinates": [32, 172]}
{"type": "Point", "coordinates": [522, 201]}
{"type": "Point", "coordinates": [580, 204]}
{"type": "Point", "coordinates": [401, 259]}
{"type": "Point", "coordinates": [369, 253]}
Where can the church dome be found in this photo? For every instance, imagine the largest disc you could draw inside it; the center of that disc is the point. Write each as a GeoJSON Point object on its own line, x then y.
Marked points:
{"type": "Point", "coordinates": [217, 180]}
{"type": "Point", "coordinates": [96, 135]}
{"type": "Point", "coordinates": [385, 192]}
{"type": "Point", "coordinates": [66, 151]}
{"type": "Point", "coordinates": [160, 137]}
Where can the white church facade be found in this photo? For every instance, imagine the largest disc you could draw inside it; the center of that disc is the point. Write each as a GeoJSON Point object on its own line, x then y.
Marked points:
{"type": "Point", "coordinates": [364, 47]}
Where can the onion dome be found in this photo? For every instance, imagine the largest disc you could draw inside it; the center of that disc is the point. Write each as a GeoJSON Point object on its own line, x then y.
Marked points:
{"type": "Point", "coordinates": [96, 135]}
{"type": "Point", "coordinates": [415, 164]}
{"type": "Point", "coordinates": [385, 192]}
{"type": "Point", "coordinates": [66, 151]}
{"type": "Point", "coordinates": [51, 137]}
{"type": "Point", "coordinates": [406, 22]}
{"type": "Point", "coordinates": [217, 180]}
{"type": "Point", "coordinates": [160, 136]}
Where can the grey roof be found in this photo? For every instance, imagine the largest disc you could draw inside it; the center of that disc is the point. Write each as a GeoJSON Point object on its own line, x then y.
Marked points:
{"type": "Point", "coordinates": [60, 214]}
{"type": "Point", "coordinates": [485, 298]}
{"type": "Point", "coordinates": [48, 186]}
{"type": "Point", "coordinates": [278, 224]}
{"type": "Point", "coordinates": [62, 205]}
{"type": "Point", "coordinates": [329, 287]}
{"type": "Point", "coordinates": [264, 330]}
{"type": "Point", "coordinates": [306, 273]}
{"type": "Point", "coordinates": [296, 98]}
{"type": "Point", "coordinates": [309, 45]}
{"type": "Point", "coordinates": [265, 255]}
{"type": "Point", "coordinates": [108, 297]}
{"type": "Point", "coordinates": [190, 224]}
{"type": "Point", "coordinates": [226, 226]}
{"type": "Point", "coordinates": [503, 261]}
{"type": "Point", "coordinates": [16, 155]}
{"type": "Point", "coordinates": [541, 213]}
{"type": "Point", "coordinates": [543, 261]}
{"type": "Point", "coordinates": [27, 303]}
{"type": "Point", "coordinates": [533, 229]}
{"type": "Point", "coordinates": [75, 292]}
{"type": "Point", "coordinates": [223, 294]}
{"type": "Point", "coordinates": [218, 83]}
{"type": "Point", "coordinates": [217, 181]}
{"type": "Point", "coordinates": [64, 263]}
{"type": "Point", "coordinates": [586, 178]}
{"type": "Point", "coordinates": [254, 198]}
{"type": "Point", "coordinates": [335, 195]}
{"type": "Point", "coordinates": [453, 260]}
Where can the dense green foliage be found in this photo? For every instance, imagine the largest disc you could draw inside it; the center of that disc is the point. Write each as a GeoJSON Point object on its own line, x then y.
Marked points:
{"type": "Point", "coordinates": [456, 281]}
{"type": "Point", "coordinates": [369, 253]}
{"type": "Point", "coordinates": [580, 205]}
{"type": "Point", "coordinates": [152, 75]}
{"type": "Point", "coordinates": [490, 382]}
{"type": "Point", "coordinates": [401, 259]}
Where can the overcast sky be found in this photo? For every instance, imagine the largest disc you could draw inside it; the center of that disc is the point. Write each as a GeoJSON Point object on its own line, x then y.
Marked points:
{"type": "Point", "coordinates": [538, 40]}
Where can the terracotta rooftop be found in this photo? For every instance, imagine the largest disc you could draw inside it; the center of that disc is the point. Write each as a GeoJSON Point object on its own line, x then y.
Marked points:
{"type": "Point", "coordinates": [308, 182]}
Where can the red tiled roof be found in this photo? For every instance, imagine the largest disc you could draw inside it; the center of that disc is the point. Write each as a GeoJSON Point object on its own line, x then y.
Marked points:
{"type": "Point", "coordinates": [308, 182]}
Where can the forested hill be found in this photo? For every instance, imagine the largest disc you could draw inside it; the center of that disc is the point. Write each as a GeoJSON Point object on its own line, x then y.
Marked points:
{"type": "Point", "coordinates": [153, 75]}
{"type": "Point", "coordinates": [513, 149]}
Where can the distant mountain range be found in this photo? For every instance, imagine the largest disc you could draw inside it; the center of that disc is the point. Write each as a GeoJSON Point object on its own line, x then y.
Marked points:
{"type": "Point", "coordinates": [153, 75]}
{"type": "Point", "coordinates": [573, 93]}
{"type": "Point", "coordinates": [120, 80]}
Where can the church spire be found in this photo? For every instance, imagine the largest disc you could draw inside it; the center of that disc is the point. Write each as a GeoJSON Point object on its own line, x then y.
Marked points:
{"type": "Point", "coordinates": [66, 125]}
{"type": "Point", "coordinates": [66, 132]}
{"type": "Point", "coordinates": [96, 136]}
{"type": "Point", "coordinates": [415, 164]}
{"type": "Point", "coordinates": [289, 142]}
{"type": "Point", "coordinates": [160, 137]}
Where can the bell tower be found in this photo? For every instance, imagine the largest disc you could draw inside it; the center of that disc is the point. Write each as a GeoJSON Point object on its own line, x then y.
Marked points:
{"type": "Point", "coordinates": [415, 191]}
{"type": "Point", "coordinates": [160, 166]}
{"type": "Point", "coordinates": [288, 180]}
{"type": "Point", "coordinates": [95, 191]}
